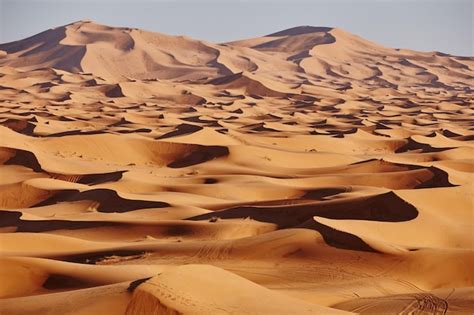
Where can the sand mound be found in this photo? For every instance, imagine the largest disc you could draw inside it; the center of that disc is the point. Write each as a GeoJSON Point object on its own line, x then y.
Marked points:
{"type": "Point", "coordinates": [180, 291]}
{"type": "Point", "coordinates": [93, 48]}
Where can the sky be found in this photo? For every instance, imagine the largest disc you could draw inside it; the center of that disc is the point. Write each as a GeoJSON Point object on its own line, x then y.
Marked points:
{"type": "Point", "coordinates": [426, 25]}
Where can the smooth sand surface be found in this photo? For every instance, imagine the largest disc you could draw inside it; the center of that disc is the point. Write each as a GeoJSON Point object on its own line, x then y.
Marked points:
{"type": "Point", "coordinates": [309, 171]}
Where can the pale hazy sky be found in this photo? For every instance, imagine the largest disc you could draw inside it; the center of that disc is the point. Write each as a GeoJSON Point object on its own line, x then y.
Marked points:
{"type": "Point", "coordinates": [442, 25]}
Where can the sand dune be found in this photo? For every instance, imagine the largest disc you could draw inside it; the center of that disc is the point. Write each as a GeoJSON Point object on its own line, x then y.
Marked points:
{"type": "Point", "coordinates": [309, 171]}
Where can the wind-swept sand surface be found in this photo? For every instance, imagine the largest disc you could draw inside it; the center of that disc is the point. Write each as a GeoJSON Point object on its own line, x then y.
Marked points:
{"type": "Point", "coordinates": [305, 172]}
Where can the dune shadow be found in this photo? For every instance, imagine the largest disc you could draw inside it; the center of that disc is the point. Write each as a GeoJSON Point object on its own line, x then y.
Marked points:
{"type": "Point", "coordinates": [109, 200]}
{"type": "Point", "coordinates": [200, 155]}
{"type": "Point", "coordinates": [387, 207]}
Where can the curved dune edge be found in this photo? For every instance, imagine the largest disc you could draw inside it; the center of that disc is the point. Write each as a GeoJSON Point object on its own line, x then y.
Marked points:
{"type": "Point", "coordinates": [195, 289]}
{"type": "Point", "coordinates": [166, 293]}
{"type": "Point", "coordinates": [135, 151]}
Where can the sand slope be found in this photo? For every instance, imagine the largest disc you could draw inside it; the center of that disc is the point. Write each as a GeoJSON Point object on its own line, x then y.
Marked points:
{"type": "Point", "coordinates": [308, 171]}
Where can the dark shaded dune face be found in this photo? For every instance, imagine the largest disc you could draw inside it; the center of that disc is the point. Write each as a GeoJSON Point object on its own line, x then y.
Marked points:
{"type": "Point", "coordinates": [440, 179]}
{"type": "Point", "coordinates": [386, 207]}
{"type": "Point", "coordinates": [21, 126]}
{"type": "Point", "coordinates": [24, 158]}
{"type": "Point", "coordinates": [46, 52]}
{"type": "Point", "coordinates": [141, 130]}
{"type": "Point", "coordinates": [12, 219]}
{"type": "Point", "coordinates": [42, 41]}
{"type": "Point", "coordinates": [95, 179]}
{"type": "Point", "coordinates": [197, 119]}
{"type": "Point", "coordinates": [62, 282]}
{"type": "Point", "coordinates": [261, 128]}
{"type": "Point", "coordinates": [75, 133]}
{"type": "Point", "coordinates": [134, 284]}
{"type": "Point", "coordinates": [298, 43]}
{"type": "Point", "coordinates": [338, 239]}
{"type": "Point", "coordinates": [300, 30]}
{"type": "Point", "coordinates": [413, 145]}
{"type": "Point", "coordinates": [201, 155]}
{"type": "Point", "coordinates": [210, 181]}
{"type": "Point", "coordinates": [109, 200]}
{"type": "Point", "coordinates": [323, 193]}
{"type": "Point", "coordinates": [114, 91]}
{"type": "Point", "coordinates": [98, 256]}
{"type": "Point", "coordinates": [226, 79]}
{"type": "Point", "coordinates": [181, 130]}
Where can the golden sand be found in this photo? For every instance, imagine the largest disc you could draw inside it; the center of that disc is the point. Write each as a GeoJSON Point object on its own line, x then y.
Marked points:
{"type": "Point", "coordinates": [305, 172]}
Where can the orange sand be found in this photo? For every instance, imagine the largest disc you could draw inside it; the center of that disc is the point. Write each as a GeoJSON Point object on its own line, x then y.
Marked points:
{"type": "Point", "coordinates": [305, 172]}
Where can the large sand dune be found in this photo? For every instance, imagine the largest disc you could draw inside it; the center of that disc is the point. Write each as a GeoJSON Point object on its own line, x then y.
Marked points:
{"type": "Point", "coordinates": [309, 171]}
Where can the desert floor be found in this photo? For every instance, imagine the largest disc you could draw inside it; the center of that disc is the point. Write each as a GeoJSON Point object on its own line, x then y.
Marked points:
{"type": "Point", "coordinates": [305, 172]}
